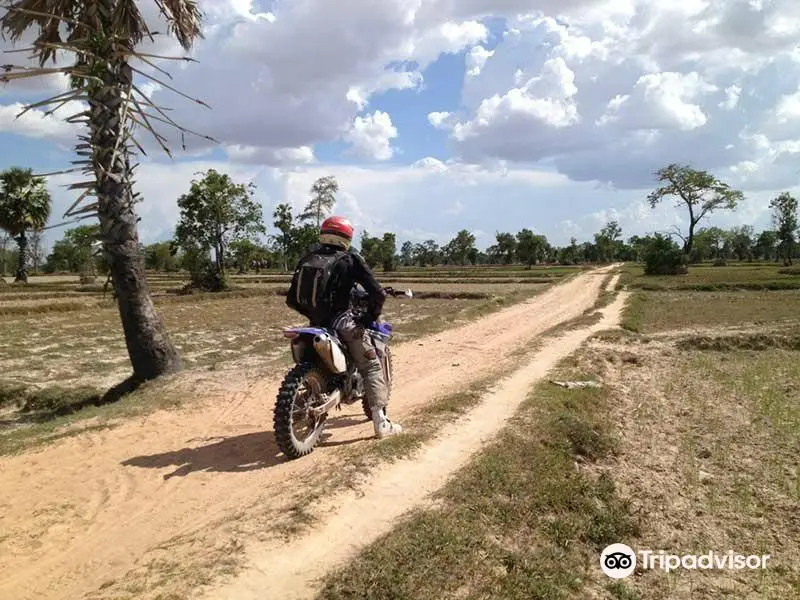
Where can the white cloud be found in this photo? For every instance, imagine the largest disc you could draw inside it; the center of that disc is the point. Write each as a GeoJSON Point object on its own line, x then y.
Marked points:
{"type": "Point", "coordinates": [732, 95]}
{"type": "Point", "coordinates": [270, 156]}
{"type": "Point", "coordinates": [36, 124]}
{"type": "Point", "coordinates": [441, 120]}
{"type": "Point", "coordinates": [600, 90]}
{"type": "Point", "coordinates": [652, 83]}
{"type": "Point", "coordinates": [507, 125]}
{"type": "Point", "coordinates": [476, 59]}
{"type": "Point", "coordinates": [371, 136]}
{"type": "Point", "coordinates": [449, 37]}
{"type": "Point", "coordinates": [660, 101]}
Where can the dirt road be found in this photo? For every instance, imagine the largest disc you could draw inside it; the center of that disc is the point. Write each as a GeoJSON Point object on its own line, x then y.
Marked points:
{"type": "Point", "coordinates": [81, 515]}
{"type": "Point", "coordinates": [292, 571]}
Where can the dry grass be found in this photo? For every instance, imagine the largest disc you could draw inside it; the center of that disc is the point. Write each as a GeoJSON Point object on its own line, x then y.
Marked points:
{"type": "Point", "coordinates": [735, 276]}
{"type": "Point", "coordinates": [52, 334]}
{"type": "Point", "coordinates": [690, 463]}
{"type": "Point", "coordinates": [84, 347]}
{"type": "Point", "coordinates": [519, 522]}
{"type": "Point", "coordinates": [661, 311]}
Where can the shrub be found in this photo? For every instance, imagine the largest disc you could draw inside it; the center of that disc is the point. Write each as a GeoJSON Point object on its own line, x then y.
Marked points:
{"type": "Point", "coordinates": [720, 262]}
{"type": "Point", "coordinates": [662, 256]}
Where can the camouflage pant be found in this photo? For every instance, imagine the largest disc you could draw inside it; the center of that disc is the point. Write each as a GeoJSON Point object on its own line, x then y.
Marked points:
{"type": "Point", "coordinates": [363, 354]}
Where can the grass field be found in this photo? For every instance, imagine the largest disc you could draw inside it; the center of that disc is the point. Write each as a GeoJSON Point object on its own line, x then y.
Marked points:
{"type": "Point", "coordinates": [61, 339]}
{"type": "Point", "coordinates": [689, 446]}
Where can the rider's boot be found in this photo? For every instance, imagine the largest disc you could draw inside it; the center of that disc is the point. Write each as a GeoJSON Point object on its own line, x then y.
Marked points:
{"type": "Point", "coordinates": [383, 426]}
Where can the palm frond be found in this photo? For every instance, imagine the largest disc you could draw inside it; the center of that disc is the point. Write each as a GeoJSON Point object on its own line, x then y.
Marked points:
{"type": "Point", "coordinates": [101, 36]}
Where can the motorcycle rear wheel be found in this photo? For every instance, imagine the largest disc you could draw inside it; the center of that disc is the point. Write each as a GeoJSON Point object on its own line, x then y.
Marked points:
{"type": "Point", "coordinates": [289, 405]}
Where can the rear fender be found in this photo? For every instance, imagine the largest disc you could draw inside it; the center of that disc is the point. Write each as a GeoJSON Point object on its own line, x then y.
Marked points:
{"type": "Point", "coordinates": [300, 350]}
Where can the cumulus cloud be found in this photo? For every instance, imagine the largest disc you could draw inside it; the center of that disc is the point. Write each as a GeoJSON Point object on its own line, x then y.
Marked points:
{"type": "Point", "coordinates": [476, 59]}
{"type": "Point", "coordinates": [602, 90]}
{"type": "Point", "coordinates": [526, 120]}
{"type": "Point", "coordinates": [270, 156]}
{"type": "Point", "coordinates": [371, 136]}
{"type": "Point", "coordinates": [36, 124]}
{"type": "Point", "coordinates": [441, 120]}
{"type": "Point", "coordinates": [660, 101]}
{"type": "Point", "coordinates": [642, 84]}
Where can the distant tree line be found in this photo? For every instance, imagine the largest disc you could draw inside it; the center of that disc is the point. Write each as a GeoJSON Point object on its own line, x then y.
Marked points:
{"type": "Point", "coordinates": [221, 230]}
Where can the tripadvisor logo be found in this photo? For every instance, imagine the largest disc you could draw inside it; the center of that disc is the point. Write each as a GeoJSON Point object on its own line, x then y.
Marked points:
{"type": "Point", "coordinates": [619, 561]}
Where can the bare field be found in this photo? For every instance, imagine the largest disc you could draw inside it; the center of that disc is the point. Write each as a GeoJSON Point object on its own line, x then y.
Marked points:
{"type": "Point", "coordinates": [685, 447]}
{"type": "Point", "coordinates": [162, 505]}
{"type": "Point", "coordinates": [689, 445]}
{"type": "Point", "coordinates": [55, 332]}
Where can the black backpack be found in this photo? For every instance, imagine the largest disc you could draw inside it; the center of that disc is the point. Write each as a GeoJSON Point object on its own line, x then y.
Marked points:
{"type": "Point", "coordinates": [311, 289]}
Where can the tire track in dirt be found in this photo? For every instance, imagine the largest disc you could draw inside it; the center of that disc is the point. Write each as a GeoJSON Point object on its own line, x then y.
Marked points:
{"type": "Point", "coordinates": [161, 476]}
{"type": "Point", "coordinates": [292, 571]}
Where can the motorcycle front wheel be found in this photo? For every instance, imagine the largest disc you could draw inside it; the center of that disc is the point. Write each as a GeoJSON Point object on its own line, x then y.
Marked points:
{"type": "Point", "coordinates": [296, 430]}
{"type": "Point", "coordinates": [388, 376]}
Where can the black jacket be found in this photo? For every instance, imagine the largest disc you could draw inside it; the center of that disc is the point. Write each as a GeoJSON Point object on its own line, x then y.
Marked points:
{"type": "Point", "coordinates": [348, 272]}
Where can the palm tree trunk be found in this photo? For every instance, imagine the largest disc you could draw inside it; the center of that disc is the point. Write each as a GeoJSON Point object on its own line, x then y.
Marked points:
{"type": "Point", "coordinates": [22, 274]}
{"type": "Point", "coordinates": [151, 352]}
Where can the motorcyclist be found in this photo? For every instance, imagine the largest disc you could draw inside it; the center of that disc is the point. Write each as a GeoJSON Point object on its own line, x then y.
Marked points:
{"type": "Point", "coordinates": [342, 268]}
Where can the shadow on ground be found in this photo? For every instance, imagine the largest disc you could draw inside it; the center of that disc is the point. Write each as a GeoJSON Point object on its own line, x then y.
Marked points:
{"type": "Point", "coordinates": [236, 454]}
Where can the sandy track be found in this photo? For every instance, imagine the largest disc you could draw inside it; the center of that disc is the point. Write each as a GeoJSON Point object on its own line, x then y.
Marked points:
{"type": "Point", "coordinates": [292, 571]}
{"type": "Point", "coordinates": [83, 511]}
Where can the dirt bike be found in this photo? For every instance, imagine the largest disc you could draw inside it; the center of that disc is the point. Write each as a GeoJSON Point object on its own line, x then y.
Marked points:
{"type": "Point", "coordinates": [324, 378]}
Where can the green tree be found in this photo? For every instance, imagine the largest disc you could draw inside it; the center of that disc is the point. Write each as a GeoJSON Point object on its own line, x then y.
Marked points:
{"type": "Point", "coordinates": [103, 35]}
{"type": "Point", "coordinates": [24, 208]}
{"type": "Point", "coordinates": [662, 256]}
{"type": "Point", "coordinates": [784, 214]}
{"type": "Point", "coordinates": [323, 199]}
{"type": "Point", "coordinates": [741, 240]}
{"type": "Point", "coordinates": [284, 223]}
{"type": "Point", "coordinates": [243, 251]}
{"type": "Point", "coordinates": [379, 251]}
{"type": "Point", "coordinates": [506, 247]}
{"type": "Point", "coordinates": [371, 249]}
{"type": "Point", "coordinates": [217, 212]}
{"type": "Point", "coordinates": [637, 245]}
{"type": "Point", "coordinates": [461, 248]}
{"type": "Point", "coordinates": [388, 252]}
{"type": "Point", "coordinates": [766, 246]}
{"type": "Point", "coordinates": [37, 251]}
{"type": "Point", "coordinates": [159, 257]}
{"type": "Point", "coordinates": [75, 252]}
{"type": "Point", "coordinates": [699, 191]}
{"type": "Point", "coordinates": [407, 254]}
{"type": "Point", "coordinates": [5, 239]}
{"type": "Point", "coordinates": [531, 248]}
{"type": "Point", "coordinates": [570, 255]}
{"type": "Point", "coordinates": [83, 238]}
{"type": "Point", "coordinates": [304, 237]}
{"type": "Point", "coordinates": [608, 241]}
{"type": "Point", "coordinates": [707, 245]}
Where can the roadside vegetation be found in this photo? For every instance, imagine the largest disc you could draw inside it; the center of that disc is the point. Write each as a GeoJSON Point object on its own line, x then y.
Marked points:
{"type": "Point", "coordinates": [689, 446]}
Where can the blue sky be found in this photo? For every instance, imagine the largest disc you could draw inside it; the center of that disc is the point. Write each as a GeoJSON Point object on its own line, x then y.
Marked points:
{"type": "Point", "coordinates": [490, 115]}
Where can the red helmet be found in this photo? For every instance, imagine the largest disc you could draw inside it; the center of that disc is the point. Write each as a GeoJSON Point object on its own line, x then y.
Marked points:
{"type": "Point", "coordinates": [337, 231]}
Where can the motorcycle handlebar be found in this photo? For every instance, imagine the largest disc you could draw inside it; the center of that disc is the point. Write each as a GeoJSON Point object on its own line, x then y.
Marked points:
{"type": "Point", "coordinates": [389, 291]}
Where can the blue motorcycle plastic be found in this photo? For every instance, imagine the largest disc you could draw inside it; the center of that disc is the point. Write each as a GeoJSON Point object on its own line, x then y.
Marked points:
{"type": "Point", "coordinates": [323, 378]}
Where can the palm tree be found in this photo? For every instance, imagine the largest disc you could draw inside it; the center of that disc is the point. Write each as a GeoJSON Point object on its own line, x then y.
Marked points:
{"type": "Point", "coordinates": [103, 35]}
{"type": "Point", "coordinates": [24, 207]}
